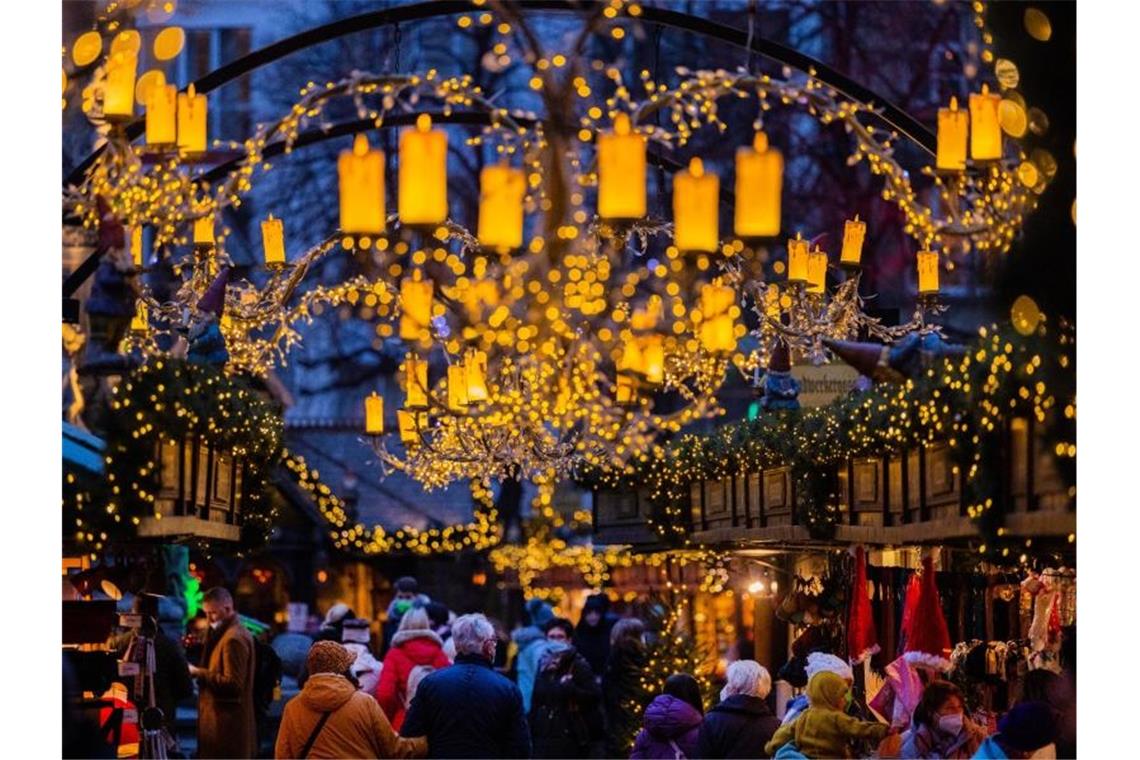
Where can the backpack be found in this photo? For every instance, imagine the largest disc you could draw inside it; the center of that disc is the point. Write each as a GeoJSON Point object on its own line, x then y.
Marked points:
{"type": "Point", "coordinates": [417, 674]}
{"type": "Point", "coordinates": [266, 676]}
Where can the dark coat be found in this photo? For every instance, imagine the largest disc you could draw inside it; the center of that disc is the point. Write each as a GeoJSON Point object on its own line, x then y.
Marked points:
{"type": "Point", "coordinates": [593, 641]}
{"type": "Point", "coordinates": [670, 724]}
{"type": "Point", "coordinates": [621, 683]}
{"type": "Point", "coordinates": [226, 723]}
{"type": "Point", "coordinates": [739, 726]}
{"type": "Point", "coordinates": [565, 716]}
{"type": "Point", "coordinates": [469, 710]}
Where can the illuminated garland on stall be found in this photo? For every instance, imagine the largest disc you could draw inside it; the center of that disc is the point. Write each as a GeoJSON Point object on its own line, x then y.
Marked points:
{"type": "Point", "coordinates": [170, 400]}
{"type": "Point", "coordinates": [1026, 370]}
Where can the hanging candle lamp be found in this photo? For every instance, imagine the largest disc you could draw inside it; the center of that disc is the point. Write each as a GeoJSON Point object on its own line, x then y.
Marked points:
{"type": "Point", "coordinates": [854, 231]}
{"type": "Point", "coordinates": [696, 204]}
{"type": "Point", "coordinates": [374, 414]}
{"type": "Point", "coordinates": [985, 125]}
{"type": "Point", "coordinates": [621, 172]}
{"type": "Point", "coordinates": [191, 121]}
{"type": "Point", "coordinates": [415, 382]}
{"type": "Point", "coordinates": [501, 191]}
{"type": "Point", "coordinates": [927, 264]}
{"type": "Point", "coordinates": [162, 113]}
{"type": "Point", "coordinates": [797, 259]}
{"type": "Point", "coordinates": [953, 129]}
{"type": "Point", "coordinates": [759, 184]}
{"type": "Point", "coordinates": [360, 173]}
{"type": "Point", "coordinates": [423, 174]}
{"type": "Point", "coordinates": [273, 241]}
{"type": "Point", "coordinates": [415, 306]}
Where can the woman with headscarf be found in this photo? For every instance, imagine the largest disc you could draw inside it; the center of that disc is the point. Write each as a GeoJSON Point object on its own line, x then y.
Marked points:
{"type": "Point", "coordinates": [824, 729]}
{"type": "Point", "coordinates": [672, 721]}
{"type": "Point", "coordinates": [331, 718]}
{"type": "Point", "coordinates": [741, 723]}
{"type": "Point", "coordinates": [939, 727]}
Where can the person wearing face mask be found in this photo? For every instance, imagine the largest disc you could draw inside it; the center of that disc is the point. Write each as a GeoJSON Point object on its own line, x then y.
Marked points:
{"type": "Point", "coordinates": [939, 727]}
{"type": "Point", "coordinates": [565, 715]}
{"type": "Point", "coordinates": [824, 729]}
{"type": "Point", "coordinates": [467, 709]}
{"type": "Point", "coordinates": [406, 595]}
{"type": "Point", "coordinates": [226, 721]}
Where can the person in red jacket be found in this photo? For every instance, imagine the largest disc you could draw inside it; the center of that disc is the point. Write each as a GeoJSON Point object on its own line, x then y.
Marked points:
{"type": "Point", "coordinates": [414, 645]}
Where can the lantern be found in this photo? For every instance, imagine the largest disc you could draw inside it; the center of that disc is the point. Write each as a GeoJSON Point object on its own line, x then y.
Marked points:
{"type": "Point", "coordinates": [853, 233]}
{"type": "Point", "coordinates": [161, 113]}
{"type": "Point", "coordinates": [361, 175]}
{"type": "Point", "coordinates": [718, 335]}
{"type": "Point", "coordinates": [621, 172]}
{"type": "Point", "coordinates": [273, 241]}
{"type": "Point", "coordinates": [410, 424]}
{"type": "Point", "coordinates": [415, 303]}
{"type": "Point", "coordinates": [374, 414]}
{"type": "Point", "coordinates": [136, 246]}
{"type": "Point", "coordinates": [696, 202]}
{"type": "Point", "coordinates": [626, 391]}
{"type": "Point", "coordinates": [759, 183]}
{"type": "Point", "coordinates": [817, 271]}
{"type": "Point", "coordinates": [119, 90]}
{"type": "Point", "coordinates": [191, 121]}
{"type": "Point", "coordinates": [457, 388]}
{"type": "Point", "coordinates": [953, 127]}
{"type": "Point", "coordinates": [501, 190]}
{"type": "Point", "coordinates": [985, 132]}
{"type": "Point", "coordinates": [927, 273]}
{"type": "Point", "coordinates": [653, 359]}
{"type": "Point", "coordinates": [204, 231]}
{"type": "Point", "coordinates": [476, 376]}
{"type": "Point", "coordinates": [797, 259]}
{"type": "Point", "coordinates": [631, 359]}
{"type": "Point", "coordinates": [423, 174]}
{"type": "Point", "coordinates": [139, 320]}
{"type": "Point", "coordinates": [415, 382]}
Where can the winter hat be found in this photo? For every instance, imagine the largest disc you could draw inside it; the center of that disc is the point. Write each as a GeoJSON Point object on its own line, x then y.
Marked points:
{"type": "Point", "coordinates": [862, 638]}
{"type": "Point", "coordinates": [356, 631]}
{"type": "Point", "coordinates": [599, 602]}
{"type": "Point", "coordinates": [336, 614]}
{"type": "Point", "coordinates": [927, 636]}
{"type": "Point", "coordinates": [539, 612]}
{"type": "Point", "coordinates": [437, 614]}
{"type": "Point", "coordinates": [822, 662]}
{"type": "Point", "coordinates": [329, 657]}
{"type": "Point", "coordinates": [1028, 727]}
{"type": "Point", "coordinates": [213, 301]}
{"type": "Point", "coordinates": [407, 585]}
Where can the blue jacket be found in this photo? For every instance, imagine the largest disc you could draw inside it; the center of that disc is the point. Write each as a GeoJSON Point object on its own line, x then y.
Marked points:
{"type": "Point", "coordinates": [990, 750]}
{"type": "Point", "coordinates": [469, 710]}
{"type": "Point", "coordinates": [532, 644]}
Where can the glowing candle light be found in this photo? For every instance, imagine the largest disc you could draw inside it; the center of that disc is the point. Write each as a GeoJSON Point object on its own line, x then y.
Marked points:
{"type": "Point", "coordinates": [415, 301]}
{"type": "Point", "coordinates": [374, 414]}
{"type": "Point", "coordinates": [136, 246]}
{"type": "Point", "coordinates": [139, 320]}
{"type": "Point", "coordinates": [854, 231]}
{"type": "Point", "coordinates": [985, 125]}
{"type": "Point", "coordinates": [409, 424]}
{"type": "Point", "coordinates": [423, 174]}
{"type": "Point", "coordinates": [501, 191]}
{"type": "Point", "coordinates": [415, 382]}
{"type": "Point", "coordinates": [161, 113]}
{"type": "Point", "coordinates": [119, 89]}
{"type": "Point", "coordinates": [204, 231]}
{"type": "Point", "coordinates": [797, 259]}
{"type": "Point", "coordinates": [273, 241]}
{"type": "Point", "coordinates": [716, 298]}
{"type": "Point", "coordinates": [759, 183]}
{"type": "Point", "coordinates": [191, 121]}
{"type": "Point", "coordinates": [817, 271]}
{"type": "Point", "coordinates": [718, 335]}
{"type": "Point", "coordinates": [621, 172]}
{"type": "Point", "coordinates": [361, 175]}
{"type": "Point", "coordinates": [927, 273]}
{"type": "Point", "coordinates": [631, 358]}
{"type": "Point", "coordinates": [653, 359]}
{"type": "Point", "coordinates": [476, 362]}
{"type": "Point", "coordinates": [696, 204]}
{"type": "Point", "coordinates": [626, 391]}
{"type": "Point", "coordinates": [457, 388]}
{"type": "Point", "coordinates": [953, 128]}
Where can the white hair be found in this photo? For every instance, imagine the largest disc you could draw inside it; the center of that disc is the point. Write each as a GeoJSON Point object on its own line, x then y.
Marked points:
{"type": "Point", "coordinates": [471, 632]}
{"type": "Point", "coordinates": [746, 677]}
{"type": "Point", "coordinates": [821, 662]}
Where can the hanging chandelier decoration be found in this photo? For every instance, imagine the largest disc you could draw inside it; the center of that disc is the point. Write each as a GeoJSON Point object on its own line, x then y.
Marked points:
{"type": "Point", "coordinates": [532, 348]}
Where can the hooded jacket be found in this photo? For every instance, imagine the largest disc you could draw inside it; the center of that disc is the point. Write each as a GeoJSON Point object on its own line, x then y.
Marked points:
{"type": "Point", "coordinates": [593, 641]}
{"type": "Point", "coordinates": [738, 726]}
{"type": "Point", "coordinates": [668, 726]}
{"type": "Point", "coordinates": [824, 730]}
{"type": "Point", "coordinates": [409, 649]}
{"type": "Point", "coordinates": [531, 643]}
{"type": "Point", "coordinates": [356, 726]}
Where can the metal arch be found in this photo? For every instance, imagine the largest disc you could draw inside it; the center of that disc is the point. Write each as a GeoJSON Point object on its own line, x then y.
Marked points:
{"type": "Point", "coordinates": [894, 116]}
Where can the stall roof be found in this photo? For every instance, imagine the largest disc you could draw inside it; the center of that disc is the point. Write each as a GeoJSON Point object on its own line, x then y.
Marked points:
{"type": "Point", "coordinates": [81, 449]}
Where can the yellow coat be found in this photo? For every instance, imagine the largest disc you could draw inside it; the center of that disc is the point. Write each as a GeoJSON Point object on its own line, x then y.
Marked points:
{"type": "Point", "coordinates": [824, 730]}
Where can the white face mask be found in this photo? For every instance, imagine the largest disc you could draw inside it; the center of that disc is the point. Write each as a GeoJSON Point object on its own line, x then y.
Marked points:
{"type": "Point", "coordinates": [950, 724]}
{"type": "Point", "coordinates": [216, 624]}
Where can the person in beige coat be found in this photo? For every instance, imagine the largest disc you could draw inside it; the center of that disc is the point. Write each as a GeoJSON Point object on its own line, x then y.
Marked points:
{"type": "Point", "coordinates": [355, 725]}
{"type": "Point", "coordinates": [226, 723]}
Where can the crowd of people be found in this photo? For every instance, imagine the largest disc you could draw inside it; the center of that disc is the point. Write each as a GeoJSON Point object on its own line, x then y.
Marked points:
{"type": "Point", "coordinates": [447, 686]}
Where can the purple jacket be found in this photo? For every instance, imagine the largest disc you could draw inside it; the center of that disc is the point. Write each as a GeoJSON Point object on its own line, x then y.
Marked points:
{"type": "Point", "coordinates": [668, 719]}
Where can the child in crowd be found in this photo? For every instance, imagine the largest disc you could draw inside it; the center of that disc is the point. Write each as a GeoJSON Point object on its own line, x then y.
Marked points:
{"type": "Point", "coordinates": [823, 729]}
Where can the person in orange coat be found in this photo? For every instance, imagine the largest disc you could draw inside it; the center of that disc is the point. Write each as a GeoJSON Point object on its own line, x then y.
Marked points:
{"type": "Point", "coordinates": [355, 727]}
{"type": "Point", "coordinates": [414, 644]}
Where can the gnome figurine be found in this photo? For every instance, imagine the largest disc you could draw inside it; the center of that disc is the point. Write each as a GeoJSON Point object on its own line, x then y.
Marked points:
{"type": "Point", "coordinates": [907, 358]}
{"type": "Point", "coordinates": [111, 304]}
{"type": "Point", "coordinates": [207, 344]}
{"type": "Point", "coordinates": [780, 389]}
